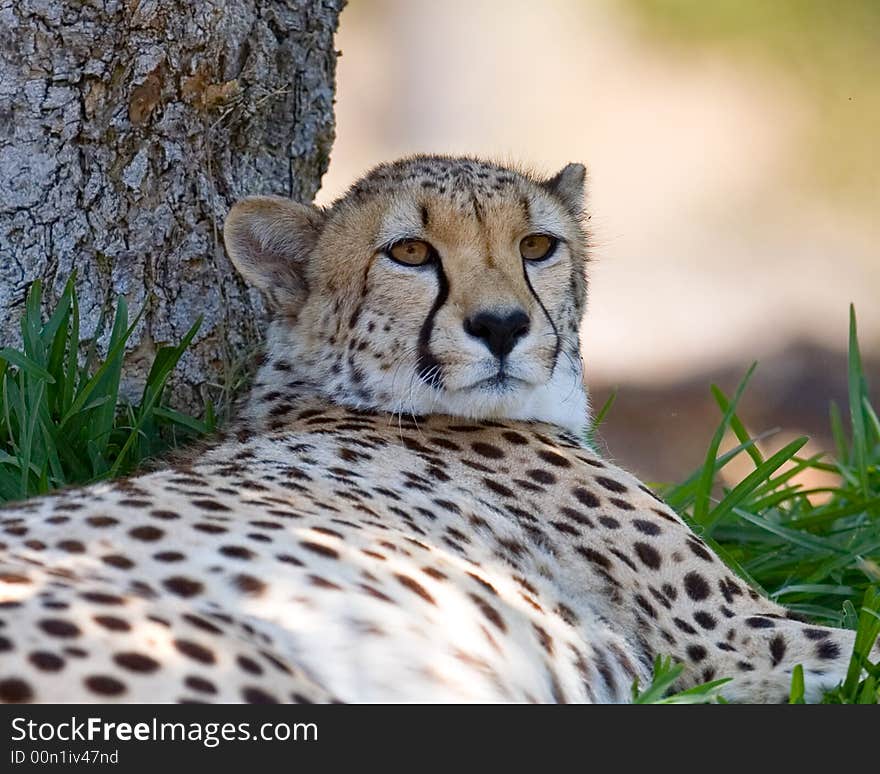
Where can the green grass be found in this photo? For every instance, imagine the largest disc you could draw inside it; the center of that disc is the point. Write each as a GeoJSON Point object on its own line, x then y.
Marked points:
{"type": "Point", "coordinates": [62, 418]}
{"type": "Point", "coordinates": [855, 689]}
{"type": "Point", "coordinates": [666, 672]}
{"type": "Point", "coordinates": [819, 559]}
{"type": "Point", "coordinates": [811, 556]}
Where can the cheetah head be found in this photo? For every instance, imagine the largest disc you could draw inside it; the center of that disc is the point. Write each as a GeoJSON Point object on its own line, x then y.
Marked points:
{"type": "Point", "coordinates": [434, 285]}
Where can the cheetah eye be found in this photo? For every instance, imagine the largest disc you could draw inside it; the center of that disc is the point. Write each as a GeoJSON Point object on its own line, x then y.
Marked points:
{"type": "Point", "coordinates": [537, 247]}
{"type": "Point", "coordinates": [411, 252]}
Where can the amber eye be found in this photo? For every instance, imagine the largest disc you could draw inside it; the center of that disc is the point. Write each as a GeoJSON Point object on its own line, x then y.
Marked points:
{"type": "Point", "coordinates": [412, 252]}
{"type": "Point", "coordinates": [536, 247]}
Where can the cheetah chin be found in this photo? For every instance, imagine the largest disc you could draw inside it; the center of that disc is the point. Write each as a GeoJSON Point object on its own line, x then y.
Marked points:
{"type": "Point", "coordinates": [562, 401]}
{"type": "Point", "coordinates": [378, 525]}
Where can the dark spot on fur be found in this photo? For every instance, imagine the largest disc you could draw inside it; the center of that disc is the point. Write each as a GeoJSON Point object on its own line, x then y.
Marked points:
{"type": "Point", "coordinates": [585, 497]}
{"type": "Point", "coordinates": [610, 484]}
{"type": "Point", "coordinates": [57, 627]}
{"type": "Point", "coordinates": [696, 653]}
{"type": "Point", "coordinates": [182, 586]}
{"type": "Point", "coordinates": [554, 458]}
{"type": "Point", "coordinates": [414, 586]}
{"type": "Point", "coordinates": [320, 549]}
{"type": "Point", "coordinates": [104, 685]}
{"type": "Point", "coordinates": [487, 450]}
{"type": "Point", "coordinates": [541, 476]}
{"type": "Point", "coordinates": [649, 555]}
{"type": "Point", "coordinates": [777, 649]}
{"type": "Point", "coordinates": [827, 650]}
{"type": "Point", "coordinates": [248, 584]}
{"type": "Point", "coordinates": [45, 661]}
{"type": "Point", "coordinates": [136, 662]}
{"type": "Point", "coordinates": [704, 619]}
{"type": "Point", "coordinates": [15, 691]}
{"type": "Point", "coordinates": [490, 612]}
{"type": "Point", "coordinates": [194, 651]}
{"type": "Point", "coordinates": [112, 623]}
{"type": "Point", "coordinates": [253, 695]}
{"type": "Point", "coordinates": [646, 527]}
{"type": "Point", "coordinates": [696, 587]}
{"type": "Point", "coordinates": [146, 533]}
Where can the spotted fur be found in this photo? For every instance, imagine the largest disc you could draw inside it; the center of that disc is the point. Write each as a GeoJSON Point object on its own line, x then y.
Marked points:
{"type": "Point", "coordinates": [361, 537]}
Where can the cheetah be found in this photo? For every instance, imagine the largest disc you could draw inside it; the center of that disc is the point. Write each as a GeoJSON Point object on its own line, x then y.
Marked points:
{"type": "Point", "coordinates": [406, 509]}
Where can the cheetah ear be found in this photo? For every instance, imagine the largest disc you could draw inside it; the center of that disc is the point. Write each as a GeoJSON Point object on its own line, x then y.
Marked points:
{"type": "Point", "coordinates": [269, 240]}
{"type": "Point", "coordinates": [568, 186]}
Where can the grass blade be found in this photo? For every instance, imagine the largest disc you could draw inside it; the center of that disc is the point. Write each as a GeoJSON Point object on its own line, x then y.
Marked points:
{"type": "Point", "coordinates": [745, 487]}
{"type": "Point", "coordinates": [707, 476]}
{"type": "Point", "coordinates": [22, 361]}
{"type": "Point", "coordinates": [857, 394]}
{"type": "Point", "coordinates": [600, 417]}
{"type": "Point", "coordinates": [796, 693]}
{"type": "Point", "coordinates": [736, 425]}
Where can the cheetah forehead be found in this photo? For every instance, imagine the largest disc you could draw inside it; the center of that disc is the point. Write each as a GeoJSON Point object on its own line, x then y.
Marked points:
{"type": "Point", "coordinates": [450, 176]}
{"type": "Point", "coordinates": [398, 192]}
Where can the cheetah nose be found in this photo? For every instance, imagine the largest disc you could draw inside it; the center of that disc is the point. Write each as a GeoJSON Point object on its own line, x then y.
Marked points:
{"type": "Point", "coordinates": [499, 330]}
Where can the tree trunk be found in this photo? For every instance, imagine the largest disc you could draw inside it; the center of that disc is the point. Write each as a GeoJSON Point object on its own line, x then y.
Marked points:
{"type": "Point", "coordinates": [127, 130]}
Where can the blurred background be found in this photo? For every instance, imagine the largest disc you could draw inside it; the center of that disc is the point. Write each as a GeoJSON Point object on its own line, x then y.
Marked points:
{"type": "Point", "coordinates": [734, 183]}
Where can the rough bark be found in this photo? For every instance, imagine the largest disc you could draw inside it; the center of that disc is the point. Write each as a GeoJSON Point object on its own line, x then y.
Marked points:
{"type": "Point", "coordinates": [127, 130]}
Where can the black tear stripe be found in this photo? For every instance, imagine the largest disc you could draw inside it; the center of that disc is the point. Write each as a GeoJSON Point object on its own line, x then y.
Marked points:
{"type": "Point", "coordinates": [549, 319]}
{"type": "Point", "coordinates": [365, 280]}
{"type": "Point", "coordinates": [428, 367]}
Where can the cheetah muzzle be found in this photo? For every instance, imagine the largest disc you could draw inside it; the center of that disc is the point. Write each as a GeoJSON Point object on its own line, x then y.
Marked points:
{"type": "Point", "coordinates": [405, 509]}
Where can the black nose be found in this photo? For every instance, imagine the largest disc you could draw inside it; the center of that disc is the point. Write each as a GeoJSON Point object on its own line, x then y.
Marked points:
{"type": "Point", "coordinates": [499, 330]}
